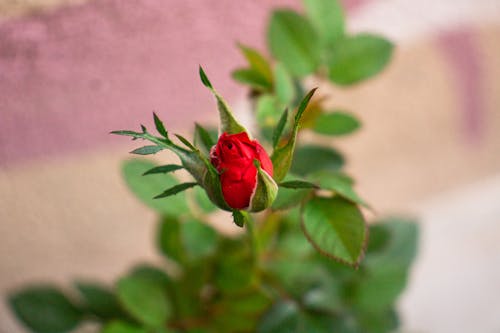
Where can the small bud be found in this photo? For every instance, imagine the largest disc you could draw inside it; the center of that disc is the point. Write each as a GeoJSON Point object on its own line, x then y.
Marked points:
{"type": "Point", "coordinates": [244, 183]}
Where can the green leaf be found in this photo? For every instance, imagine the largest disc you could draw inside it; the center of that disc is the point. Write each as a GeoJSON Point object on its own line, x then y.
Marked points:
{"type": "Point", "coordinates": [284, 87]}
{"type": "Point", "coordinates": [336, 228]}
{"type": "Point", "coordinates": [267, 113]}
{"type": "Point", "coordinates": [278, 130]}
{"type": "Point", "coordinates": [144, 299]}
{"type": "Point", "coordinates": [159, 126]}
{"type": "Point", "coordinates": [204, 139]}
{"type": "Point", "coordinates": [339, 184]}
{"type": "Point", "coordinates": [134, 135]}
{"type": "Point", "coordinates": [202, 200]}
{"type": "Point", "coordinates": [388, 267]}
{"type": "Point", "coordinates": [147, 150]}
{"type": "Point", "coordinates": [163, 169]}
{"type": "Point", "coordinates": [235, 268]}
{"type": "Point", "coordinates": [252, 78]}
{"type": "Point", "coordinates": [169, 238]}
{"type": "Point", "coordinates": [336, 123]}
{"type": "Point", "coordinates": [258, 63]}
{"type": "Point", "coordinates": [298, 184]}
{"type": "Point", "coordinates": [311, 158]}
{"type": "Point", "coordinates": [286, 317]}
{"type": "Point", "coordinates": [293, 41]}
{"type": "Point", "coordinates": [44, 309]}
{"type": "Point", "coordinates": [228, 123]}
{"type": "Point", "coordinates": [175, 189]}
{"type": "Point", "coordinates": [152, 274]}
{"type": "Point", "coordinates": [358, 58]}
{"type": "Point", "coordinates": [327, 17]}
{"type": "Point", "coordinates": [199, 239]}
{"type": "Point", "coordinates": [282, 156]}
{"type": "Point", "coordinates": [241, 311]}
{"type": "Point", "coordinates": [99, 300]}
{"type": "Point", "coordinates": [122, 327]}
{"type": "Point", "coordinates": [145, 188]}
{"type": "Point", "coordinates": [288, 198]}
{"type": "Point", "coordinates": [378, 320]}
{"type": "Point", "coordinates": [185, 142]}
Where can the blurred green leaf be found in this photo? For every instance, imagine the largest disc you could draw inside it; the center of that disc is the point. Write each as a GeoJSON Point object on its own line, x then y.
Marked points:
{"type": "Point", "coordinates": [327, 17]}
{"type": "Point", "coordinates": [258, 63]}
{"type": "Point", "coordinates": [336, 123]}
{"type": "Point", "coordinates": [267, 113]}
{"type": "Point", "coordinates": [284, 87]}
{"type": "Point", "coordinates": [293, 41]}
{"type": "Point", "coordinates": [235, 267]}
{"type": "Point", "coordinates": [199, 239]}
{"type": "Point", "coordinates": [358, 57]}
{"type": "Point", "coordinates": [336, 228]}
{"type": "Point", "coordinates": [152, 274]}
{"type": "Point", "coordinates": [145, 188]}
{"type": "Point", "coordinates": [311, 158]}
{"type": "Point", "coordinates": [147, 150]}
{"type": "Point", "coordinates": [99, 300]}
{"type": "Point", "coordinates": [45, 309]}
{"type": "Point", "coordinates": [378, 320]}
{"type": "Point", "coordinates": [204, 139]}
{"type": "Point", "coordinates": [241, 311]}
{"type": "Point", "coordinates": [144, 299]}
{"type": "Point", "coordinates": [169, 239]}
{"type": "Point", "coordinates": [338, 183]}
{"type": "Point", "coordinates": [122, 327]}
{"type": "Point", "coordinates": [286, 317]}
{"type": "Point", "coordinates": [288, 198]}
{"type": "Point", "coordinates": [203, 201]}
{"type": "Point", "coordinates": [252, 78]}
{"type": "Point", "coordinates": [387, 269]}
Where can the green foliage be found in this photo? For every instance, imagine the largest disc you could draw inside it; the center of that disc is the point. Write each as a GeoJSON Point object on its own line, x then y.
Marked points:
{"type": "Point", "coordinates": [45, 309]}
{"type": "Point", "coordinates": [122, 327]}
{"type": "Point", "coordinates": [99, 300]}
{"type": "Point", "coordinates": [336, 123]}
{"type": "Point", "coordinates": [358, 58]}
{"type": "Point", "coordinates": [311, 158]}
{"type": "Point", "coordinates": [293, 41]}
{"type": "Point", "coordinates": [277, 274]}
{"type": "Point", "coordinates": [145, 188]}
{"type": "Point", "coordinates": [144, 299]}
{"type": "Point", "coordinates": [327, 17]}
{"type": "Point", "coordinates": [336, 228]}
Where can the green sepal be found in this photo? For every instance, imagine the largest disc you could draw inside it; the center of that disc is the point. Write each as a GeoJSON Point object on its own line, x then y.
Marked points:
{"type": "Point", "coordinates": [228, 124]}
{"type": "Point", "coordinates": [282, 156]}
{"type": "Point", "coordinates": [239, 218]}
{"type": "Point", "coordinates": [265, 191]}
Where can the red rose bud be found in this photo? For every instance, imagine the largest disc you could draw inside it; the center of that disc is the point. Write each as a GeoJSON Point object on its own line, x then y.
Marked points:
{"type": "Point", "coordinates": [241, 178]}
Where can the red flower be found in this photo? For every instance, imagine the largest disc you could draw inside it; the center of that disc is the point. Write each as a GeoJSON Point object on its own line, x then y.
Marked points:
{"type": "Point", "coordinates": [233, 156]}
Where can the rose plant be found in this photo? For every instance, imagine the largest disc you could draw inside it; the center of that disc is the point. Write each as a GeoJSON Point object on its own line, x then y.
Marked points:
{"type": "Point", "coordinates": [296, 266]}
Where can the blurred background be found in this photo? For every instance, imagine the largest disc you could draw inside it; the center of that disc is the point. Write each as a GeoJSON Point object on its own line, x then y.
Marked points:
{"type": "Point", "coordinates": [73, 70]}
